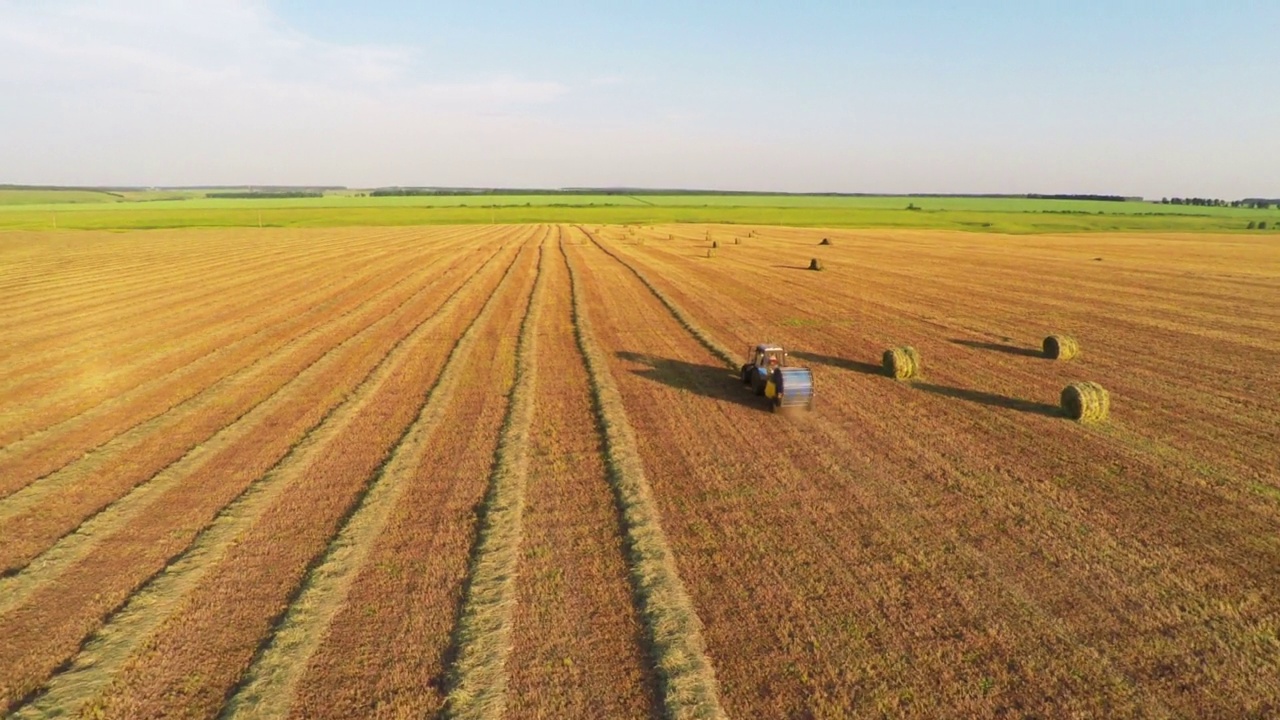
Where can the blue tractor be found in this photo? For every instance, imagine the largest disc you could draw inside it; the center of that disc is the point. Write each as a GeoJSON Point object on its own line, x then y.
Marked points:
{"type": "Point", "coordinates": [768, 372]}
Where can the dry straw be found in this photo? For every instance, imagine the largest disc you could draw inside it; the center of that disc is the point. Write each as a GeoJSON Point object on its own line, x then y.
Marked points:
{"type": "Point", "coordinates": [815, 264]}
{"type": "Point", "coordinates": [724, 353]}
{"type": "Point", "coordinates": [1061, 347]}
{"type": "Point", "coordinates": [688, 682]}
{"type": "Point", "coordinates": [902, 363]}
{"type": "Point", "coordinates": [478, 678]}
{"type": "Point", "coordinates": [1086, 402]}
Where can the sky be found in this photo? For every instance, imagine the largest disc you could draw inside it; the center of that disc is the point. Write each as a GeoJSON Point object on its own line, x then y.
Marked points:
{"type": "Point", "coordinates": [1126, 97]}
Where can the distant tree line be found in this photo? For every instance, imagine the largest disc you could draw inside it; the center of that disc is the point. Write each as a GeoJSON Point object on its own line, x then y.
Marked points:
{"type": "Point", "coordinates": [264, 195]}
{"type": "Point", "coordinates": [1106, 198]}
{"type": "Point", "coordinates": [1256, 203]}
{"type": "Point", "coordinates": [406, 192]}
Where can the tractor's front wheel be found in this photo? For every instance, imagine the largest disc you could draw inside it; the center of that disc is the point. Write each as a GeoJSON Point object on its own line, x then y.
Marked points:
{"type": "Point", "coordinates": [757, 383]}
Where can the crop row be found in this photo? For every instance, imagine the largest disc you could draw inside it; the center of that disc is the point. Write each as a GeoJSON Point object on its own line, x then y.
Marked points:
{"type": "Point", "coordinates": [44, 630]}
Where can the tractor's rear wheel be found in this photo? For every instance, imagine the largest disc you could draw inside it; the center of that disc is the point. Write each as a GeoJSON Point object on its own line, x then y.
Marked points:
{"type": "Point", "coordinates": [757, 383]}
{"type": "Point", "coordinates": [746, 374]}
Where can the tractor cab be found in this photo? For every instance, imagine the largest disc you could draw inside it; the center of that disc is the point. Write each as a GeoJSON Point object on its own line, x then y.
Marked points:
{"type": "Point", "coordinates": [769, 356]}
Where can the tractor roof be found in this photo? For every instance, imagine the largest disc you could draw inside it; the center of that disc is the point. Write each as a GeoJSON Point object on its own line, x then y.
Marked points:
{"type": "Point", "coordinates": [767, 347]}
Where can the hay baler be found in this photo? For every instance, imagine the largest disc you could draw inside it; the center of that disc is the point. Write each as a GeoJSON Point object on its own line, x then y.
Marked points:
{"type": "Point", "coordinates": [768, 372]}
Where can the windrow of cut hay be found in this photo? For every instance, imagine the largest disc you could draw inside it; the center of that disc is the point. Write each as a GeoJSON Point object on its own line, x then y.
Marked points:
{"type": "Point", "coordinates": [53, 623]}
{"type": "Point", "coordinates": [576, 569]}
{"type": "Point", "coordinates": [312, 371]}
{"type": "Point", "coordinates": [32, 519]}
{"type": "Point", "coordinates": [392, 637]}
{"type": "Point", "coordinates": [688, 683]}
{"type": "Point", "coordinates": [152, 364]}
{"type": "Point", "coordinates": [902, 363]}
{"type": "Point", "coordinates": [219, 628]}
{"type": "Point", "coordinates": [157, 390]}
{"type": "Point", "coordinates": [478, 678]}
{"type": "Point", "coordinates": [48, 451]}
{"type": "Point", "coordinates": [719, 350]}
{"type": "Point", "coordinates": [269, 684]}
{"type": "Point", "coordinates": [1061, 347]}
{"type": "Point", "coordinates": [196, 302]}
{"type": "Point", "coordinates": [1087, 402]}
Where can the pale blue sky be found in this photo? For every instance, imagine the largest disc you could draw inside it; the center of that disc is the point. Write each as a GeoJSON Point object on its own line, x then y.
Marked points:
{"type": "Point", "coordinates": [1147, 98]}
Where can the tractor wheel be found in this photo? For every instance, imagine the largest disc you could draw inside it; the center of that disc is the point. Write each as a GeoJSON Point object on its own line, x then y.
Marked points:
{"type": "Point", "coordinates": [757, 383]}
{"type": "Point", "coordinates": [746, 374]}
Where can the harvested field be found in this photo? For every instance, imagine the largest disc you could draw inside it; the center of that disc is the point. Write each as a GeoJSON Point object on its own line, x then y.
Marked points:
{"type": "Point", "coordinates": [306, 473]}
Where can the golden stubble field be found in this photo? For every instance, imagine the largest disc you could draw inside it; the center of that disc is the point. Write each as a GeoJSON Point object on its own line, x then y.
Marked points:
{"type": "Point", "coordinates": [508, 471]}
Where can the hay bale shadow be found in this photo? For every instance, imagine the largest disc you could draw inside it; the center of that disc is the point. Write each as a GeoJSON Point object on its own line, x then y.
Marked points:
{"type": "Point", "coordinates": [991, 399]}
{"type": "Point", "coordinates": [998, 347]}
{"type": "Point", "coordinates": [844, 364]}
{"type": "Point", "coordinates": [713, 381]}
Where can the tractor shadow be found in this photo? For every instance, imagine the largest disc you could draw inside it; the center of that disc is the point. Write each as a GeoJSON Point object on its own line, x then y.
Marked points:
{"type": "Point", "coordinates": [997, 347]}
{"type": "Point", "coordinates": [842, 363]}
{"type": "Point", "coordinates": [991, 399]}
{"type": "Point", "coordinates": [711, 381]}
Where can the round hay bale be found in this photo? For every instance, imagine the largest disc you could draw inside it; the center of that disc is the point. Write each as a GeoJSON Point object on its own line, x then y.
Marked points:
{"type": "Point", "coordinates": [737, 241]}
{"type": "Point", "coordinates": [825, 241]}
{"type": "Point", "coordinates": [711, 253]}
{"type": "Point", "coordinates": [715, 243]}
{"type": "Point", "coordinates": [1061, 347]}
{"type": "Point", "coordinates": [1086, 402]}
{"type": "Point", "coordinates": [915, 357]}
{"type": "Point", "coordinates": [901, 363]}
{"type": "Point", "coordinates": [815, 264]}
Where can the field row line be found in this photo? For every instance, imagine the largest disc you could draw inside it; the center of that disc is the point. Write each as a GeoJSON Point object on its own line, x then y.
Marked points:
{"type": "Point", "coordinates": [269, 685]}
{"type": "Point", "coordinates": [699, 334]}
{"type": "Point", "coordinates": [174, 390]}
{"type": "Point", "coordinates": [101, 314]}
{"type": "Point", "coordinates": [132, 345]}
{"type": "Point", "coordinates": [118, 513]}
{"type": "Point", "coordinates": [151, 602]}
{"type": "Point", "coordinates": [687, 678]}
{"type": "Point", "coordinates": [125, 277]}
{"type": "Point", "coordinates": [478, 679]}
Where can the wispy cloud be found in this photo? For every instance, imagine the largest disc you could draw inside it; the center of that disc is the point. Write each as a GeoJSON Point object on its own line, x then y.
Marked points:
{"type": "Point", "coordinates": [189, 91]}
{"type": "Point", "coordinates": [228, 46]}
